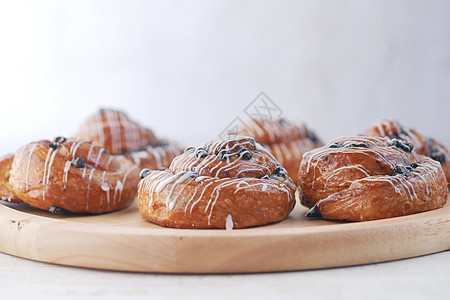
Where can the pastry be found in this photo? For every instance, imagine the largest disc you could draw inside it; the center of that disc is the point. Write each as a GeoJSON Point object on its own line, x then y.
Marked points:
{"type": "Point", "coordinates": [422, 145]}
{"type": "Point", "coordinates": [369, 178]}
{"type": "Point", "coordinates": [286, 140]}
{"type": "Point", "coordinates": [117, 133]}
{"type": "Point", "coordinates": [6, 191]}
{"type": "Point", "coordinates": [72, 175]}
{"type": "Point", "coordinates": [231, 183]}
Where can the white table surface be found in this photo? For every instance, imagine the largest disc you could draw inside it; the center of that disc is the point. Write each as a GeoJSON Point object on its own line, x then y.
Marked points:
{"type": "Point", "coordinates": [426, 277]}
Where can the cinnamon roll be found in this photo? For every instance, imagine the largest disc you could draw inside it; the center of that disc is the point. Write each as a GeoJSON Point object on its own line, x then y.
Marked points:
{"type": "Point", "coordinates": [369, 178]}
{"type": "Point", "coordinates": [231, 183]}
{"type": "Point", "coordinates": [422, 145]}
{"type": "Point", "coordinates": [286, 140]}
{"type": "Point", "coordinates": [117, 133]}
{"type": "Point", "coordinates": [72, 175]}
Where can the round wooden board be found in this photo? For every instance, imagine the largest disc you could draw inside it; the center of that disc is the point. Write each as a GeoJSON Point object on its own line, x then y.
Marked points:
{"type": "Point", "coordinates": [123, 241]}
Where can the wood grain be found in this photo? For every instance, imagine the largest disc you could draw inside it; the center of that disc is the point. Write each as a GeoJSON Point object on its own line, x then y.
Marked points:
{"type": "Point", "coordinates": [123, 241]}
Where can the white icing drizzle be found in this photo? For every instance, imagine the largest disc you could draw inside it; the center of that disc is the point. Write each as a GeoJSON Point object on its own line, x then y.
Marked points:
{"type": "Point", "coordinates": [118, 188]}
{"type": "Point", "coordinates": [121, 184]}
{"type": "Point", "coordinates": [50, 150]}
{"type": "Point", "coordinates": [114, 129]}
{"type": "Point", "coordinates": [138, 155]}
{"type": "Point", "coordinates": [74, 148]}
{"type": "Point", "coordinates": [380, 129]}
{"type": "Point", "coordinates": [84, 172]}
{"type": "Point", "coordinates": [157, 155]}
{"type": "Point", "coordinates": [66, 173]}
{"type": "Point", "coordinates": [338, 170]}
{"type": "Point", "coordinates": [98, 157]}
{"type": "Point", "coordinates": [89, 184]}
{"type": "Point", "coordinates": [181, 177]}
{"type": "Point", "coordinates": [90, 151]}
{"type": "Point", "coordinates": [319, 153]}
{"type": "Point", "coordinates": [105, 187]}
{"type": "Point", "coordinates": [28, 165]}
{"type": "Point", "coordinates": [229, 223]}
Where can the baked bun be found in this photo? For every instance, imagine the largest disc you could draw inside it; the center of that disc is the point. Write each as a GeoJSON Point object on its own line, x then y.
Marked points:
{"type": "Point", "coordinates": [369, 178]}
{"type": "Point", "coordinates": [231, 183]}
{"type": "Point", "coordinates": [6, 191]}
{"type": "Point", "coordinates": [117, 133]}
{"type": "Point", "coordinates": [422, 145]}
{"type": "Point", "coordinates": [72, 175]}
{"type": "Point", "coordinates": [286, 140]}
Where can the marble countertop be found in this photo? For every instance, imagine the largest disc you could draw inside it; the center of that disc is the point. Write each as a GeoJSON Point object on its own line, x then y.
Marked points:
{"type": "Point", "coordinates": [426, 277]}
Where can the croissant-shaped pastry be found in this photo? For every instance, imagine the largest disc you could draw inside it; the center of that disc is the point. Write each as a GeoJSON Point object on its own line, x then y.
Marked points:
{"type": "Point", "coordinates": [369, 178]}
{"type": "Point", "coordinates": [286, 140]}
{"type": "Point", "coordinates": [231, 183]}
{"type": "Point", "coordinates": [72, 175]}
{"type": "Point", "coordinates": [117, 133]}
{"type": "Point", "coordinates": [422, 145]}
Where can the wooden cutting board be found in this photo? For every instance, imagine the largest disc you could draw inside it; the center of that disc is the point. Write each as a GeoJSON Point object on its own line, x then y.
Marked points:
{"type": "Point", "coordinates": [123, 241]}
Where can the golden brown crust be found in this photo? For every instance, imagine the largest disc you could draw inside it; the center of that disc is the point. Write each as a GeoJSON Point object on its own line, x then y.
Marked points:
{"type": "Point", "coordinates": [73, 175]}
{"type": "Point", "coordinates": [422, 145]}
{"type": "Point", "coordinates": [117, 133]}
{"type": "Point", "coordinates": [228, 183]}
{"type": "Point", "coordinates": [369, 178]}
{"type": "Point", "coordinates": [6, 192]}
{"type": "Point", "coordinates": [286, 140]}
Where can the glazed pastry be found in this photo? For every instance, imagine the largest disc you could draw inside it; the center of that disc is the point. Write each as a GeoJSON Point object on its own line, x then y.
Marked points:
{"type": "Point", "coordinates": [72, 175]}
{"type": "Point", "coordinates": [422, 145]}
{"type": "Point", "coordinates": [117, 133]}
{"type": "Point", "coordinates": [369, 178]}
{"type": "Point", "coordinates": [287, 141]}
{"type": "Point", "coordinates": [231, 183]}
{"type": "Point", "coordinates": [6, 191]}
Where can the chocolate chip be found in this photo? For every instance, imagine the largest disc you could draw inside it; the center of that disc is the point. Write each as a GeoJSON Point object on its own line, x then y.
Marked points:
{"type": "Point", "coordinates": [189, 150]}
{"type": "Point", "coordinates": [264, 177]}
{"type": "Point", "coordinates": [78, 162]}
{"type": "Point", "coordinates": [415, 165]}
{"type": "Point", "coordinates": [144, 173]}
{"type": "Point", "coordinates": [402, 170]}
{"type": "Point", "coordinates": [434, 151]}
{"type": "Point", "coordinates": [437, 155]}
{"type": "Point", "coordinates": [314, 213]}
{"type": "Point", "coordinates": [325, 158]}
{"type": "Point", "coordinates": [59, 139]}
{"type": "Point", "coordinates": [402, 145]}
{"type": "Point", "coordinates": [53, 145]}
{"type": "Point", "coordinates": [105, 151]}
{"type": "Point", "coordinates": [357, 145]}
{"type": "Point", "coordinates": [313, 137]}
{"type": "Point", "coordinates": [56, 210]}
{"type": "Point", "coordinates": [201, 153]}
{"type": "Point", "coordinates": [283, 122]}
{"type": "Point", "coordinates": [245, 154]}
{"type": "Point", "coordinates": [279, 171]}
{"type": "Point", "coordinates": [335, 145]}
{"type": "Point", "coordinates": [404, 133]}
{"type": "Point", "coordinates": [223, 154]}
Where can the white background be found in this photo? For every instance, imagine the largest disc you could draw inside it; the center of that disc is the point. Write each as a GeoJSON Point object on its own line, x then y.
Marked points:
{"type": "Point", "coordinates": [188, 68]}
